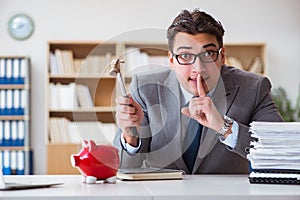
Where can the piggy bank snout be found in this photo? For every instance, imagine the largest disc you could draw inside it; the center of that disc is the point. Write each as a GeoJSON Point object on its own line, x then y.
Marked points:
{"type": "Point", "coordinates": [75, 160]}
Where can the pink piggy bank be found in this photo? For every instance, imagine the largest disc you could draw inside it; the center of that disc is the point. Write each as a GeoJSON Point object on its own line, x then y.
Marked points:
{"type": "Point", "coordinates": [96, 162]}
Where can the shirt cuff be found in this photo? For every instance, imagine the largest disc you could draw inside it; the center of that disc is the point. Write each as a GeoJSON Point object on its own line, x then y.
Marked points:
{"type": "Point", "coordinates": [127, 147]}
{"type": "Point", "coordinates": [231, 139]}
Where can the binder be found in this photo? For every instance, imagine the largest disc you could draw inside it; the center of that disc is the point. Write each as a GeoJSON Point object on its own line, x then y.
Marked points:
{"type": "Point", "coordinates": [20, 163]}
{"type": "Point", "coordinates": [275, 176]}
{"type": "Point", "coordinates": [13, 133]}
{"type": "Point", "coordinates": [7, 131]}
{"type": "Point", "coordinates": [6, 162]}
{"type": "Point", "coordinates": [9, 102]}
{"type": "Point", "coordinates": [16, 102]}
{"type": "Point", "coordinates": [23, 70]}
{"type": "Point", "coordinates": [2, 70]}
{"type": "Point", "coordinates": [1, 133]}
{"type": "Point", "coordinates": [2, 102]}
{"type": "Point", "coordinates": [13, 162]}
{"type": "Point", "coordinates": [8, 72]}
{"type": "Point", "coordinates": [16, 71]}
{"type": "Point", "coordinates": [21, 133]}
{"type": "Point", "coordinates": [23, 102]}
{"type": "Point", "coordinates": [30, 164]}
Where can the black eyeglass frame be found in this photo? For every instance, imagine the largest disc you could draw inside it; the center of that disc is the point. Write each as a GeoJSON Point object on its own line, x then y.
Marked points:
{"type": "Point", "coordinates": [199, 56]}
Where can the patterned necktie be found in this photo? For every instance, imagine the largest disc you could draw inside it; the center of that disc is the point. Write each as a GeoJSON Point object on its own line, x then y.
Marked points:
{"type": "Point", "coordinates": [192, 142]}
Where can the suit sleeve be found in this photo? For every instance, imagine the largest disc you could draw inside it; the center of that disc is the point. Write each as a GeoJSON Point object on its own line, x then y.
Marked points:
{"type": "Point", "coordinates": [264, 110]}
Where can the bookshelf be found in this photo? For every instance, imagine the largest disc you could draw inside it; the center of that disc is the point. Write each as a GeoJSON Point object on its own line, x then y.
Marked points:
{"type": "Point", "coordinates": [247, 56]}
{"type": "Point", "coordinates": [15, 151]}
{"type": "Point", "coordinates": [81, 94]}
{"type": "Point", "coordinates": [91, 64]}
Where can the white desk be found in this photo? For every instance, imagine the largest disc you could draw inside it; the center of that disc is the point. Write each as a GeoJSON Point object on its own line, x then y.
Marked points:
{"type": "Point", "coordinates": [208, 187]}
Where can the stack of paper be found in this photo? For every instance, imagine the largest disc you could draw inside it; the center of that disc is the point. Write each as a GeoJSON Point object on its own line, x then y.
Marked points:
{"type": "Point", "coordinates": [276, 149]}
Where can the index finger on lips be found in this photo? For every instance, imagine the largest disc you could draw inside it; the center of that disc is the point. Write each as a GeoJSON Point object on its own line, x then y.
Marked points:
{"type": "Point", "coordinates": [200, 87]}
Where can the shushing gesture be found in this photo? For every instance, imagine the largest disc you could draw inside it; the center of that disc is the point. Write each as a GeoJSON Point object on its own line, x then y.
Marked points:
{"type": "Point", "coordinates": [203, 109]}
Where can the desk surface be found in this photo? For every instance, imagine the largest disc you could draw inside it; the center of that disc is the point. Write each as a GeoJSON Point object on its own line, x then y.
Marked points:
{"type": "Point", "coordinates": [209, 187]}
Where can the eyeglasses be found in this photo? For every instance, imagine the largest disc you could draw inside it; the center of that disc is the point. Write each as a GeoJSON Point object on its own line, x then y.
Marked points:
{"type": "Point", "coordinates": [205, 57]}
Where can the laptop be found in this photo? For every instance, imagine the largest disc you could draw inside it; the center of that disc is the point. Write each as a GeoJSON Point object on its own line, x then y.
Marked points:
{"type": "Point", "coordinates": [23, 185]}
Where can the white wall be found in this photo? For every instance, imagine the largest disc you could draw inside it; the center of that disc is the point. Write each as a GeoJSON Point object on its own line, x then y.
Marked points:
{"type": "Point", "coordinates": [276, 22]}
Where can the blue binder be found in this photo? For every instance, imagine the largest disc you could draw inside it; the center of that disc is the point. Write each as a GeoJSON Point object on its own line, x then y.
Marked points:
{"type": "Point", "coordinates": [21, 163]}
{"type": "Point", "coordinates": [6, 162]}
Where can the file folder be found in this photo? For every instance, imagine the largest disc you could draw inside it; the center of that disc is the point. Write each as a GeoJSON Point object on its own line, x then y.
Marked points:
{"type": "Point", "coordinates": [275, 176]}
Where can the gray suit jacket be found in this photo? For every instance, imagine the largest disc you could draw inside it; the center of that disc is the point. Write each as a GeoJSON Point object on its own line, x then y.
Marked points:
{"type": "Point", "coordinates": [243, 96]}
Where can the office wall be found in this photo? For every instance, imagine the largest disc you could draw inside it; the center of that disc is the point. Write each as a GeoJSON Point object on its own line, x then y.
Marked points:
{"type": "Point", "coordinates": [276, 22]}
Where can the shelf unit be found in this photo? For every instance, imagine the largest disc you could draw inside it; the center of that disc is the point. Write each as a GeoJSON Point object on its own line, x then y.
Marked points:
{"type": "Point", "coordinates": [15, 150]}
{"type": "Point", "coordinates": [247, 54]}
{"type": "Point", "coordinates": [103, 88]}
{"type": "Point", "coordinates": [100, 86]}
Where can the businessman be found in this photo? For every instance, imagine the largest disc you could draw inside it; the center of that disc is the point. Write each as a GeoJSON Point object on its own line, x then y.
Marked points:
{"type": "Point", "coordinates": [195, 115]}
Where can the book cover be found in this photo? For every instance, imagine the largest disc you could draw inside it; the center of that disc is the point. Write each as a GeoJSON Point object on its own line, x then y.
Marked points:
{"type": "Point", "coordinates": [149, 174]}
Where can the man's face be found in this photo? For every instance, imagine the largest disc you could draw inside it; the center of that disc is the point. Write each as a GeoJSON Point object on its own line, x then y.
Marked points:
{"type": "Point", "coordinates": [187, 74]}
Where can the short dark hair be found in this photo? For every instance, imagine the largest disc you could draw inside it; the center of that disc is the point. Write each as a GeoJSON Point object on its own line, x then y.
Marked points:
{"type": "Point", "coordinates": [193, 23]}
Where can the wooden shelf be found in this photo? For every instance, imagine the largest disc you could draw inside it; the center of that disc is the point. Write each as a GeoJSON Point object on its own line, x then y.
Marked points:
{"type": "Point", "coordinates": [78, 76]}
{"type": "Point", "coordinates": [83, 48]}
{"type": "Point", "coordinates": [104, 117]}
{"type": "Point", "coordinates": [14, 117]}
{"type": "Point", "coordinates": [15, 148]}
{"type": "Point", "coordinates": [13, 86]}
{"type": "Point", "coordinates": [152, 49]}
{"type": "Point", "coordinates": [102, 114]}
{"type": "Point", "coordinates": [246, 53]}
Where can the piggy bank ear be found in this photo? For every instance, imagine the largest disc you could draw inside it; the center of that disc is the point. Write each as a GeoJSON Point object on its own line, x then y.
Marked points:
{"type": "Point", "coordinates": [92, 145]}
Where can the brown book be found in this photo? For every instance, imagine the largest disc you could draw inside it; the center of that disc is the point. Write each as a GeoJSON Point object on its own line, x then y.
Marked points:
{"type": "Point", "coordinates": [149, 174]}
